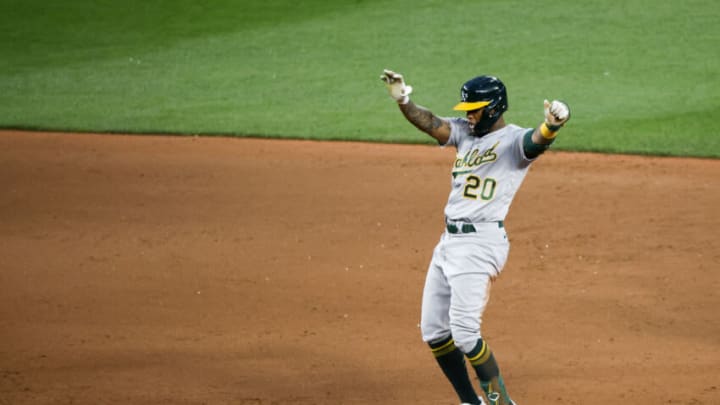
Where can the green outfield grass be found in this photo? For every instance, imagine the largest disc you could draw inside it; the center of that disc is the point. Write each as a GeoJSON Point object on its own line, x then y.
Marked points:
{"type": "Point", "coordinates": [641, 76]}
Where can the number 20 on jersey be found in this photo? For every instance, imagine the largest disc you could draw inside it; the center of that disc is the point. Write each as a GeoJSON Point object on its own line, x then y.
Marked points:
{"type": "Point", "coordinates": [475, 188]}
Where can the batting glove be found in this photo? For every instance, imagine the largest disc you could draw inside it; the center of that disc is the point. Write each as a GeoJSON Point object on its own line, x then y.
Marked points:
{"type": "Point", "coordinates": [557, 114]}
{"type": "Point", "coordinates": [396, 86]}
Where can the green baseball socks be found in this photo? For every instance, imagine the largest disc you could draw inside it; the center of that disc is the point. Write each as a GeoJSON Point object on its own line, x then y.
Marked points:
{"type": "Point", "coordinates": [487, 370]}
{"type": "Point", "coordinates": [452, 362]}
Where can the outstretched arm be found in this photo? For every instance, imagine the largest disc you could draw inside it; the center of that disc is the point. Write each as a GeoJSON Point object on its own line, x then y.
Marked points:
{"type": "Point", "coordinates": [536, 142]}
{"type": "Point", "coordinates": [421, 117]}
{"type": "Point", "coordinates": [426, 121]}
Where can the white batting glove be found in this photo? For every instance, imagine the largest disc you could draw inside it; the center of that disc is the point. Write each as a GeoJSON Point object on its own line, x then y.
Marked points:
{"type": "Point", "coordinates": [396, 86]}
{"type": "Point", "coordinates": [557, 114]}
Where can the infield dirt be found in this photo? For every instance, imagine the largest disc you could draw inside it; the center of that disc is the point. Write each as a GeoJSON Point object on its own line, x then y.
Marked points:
{"type": "Point", "coordinates": [186, 270]}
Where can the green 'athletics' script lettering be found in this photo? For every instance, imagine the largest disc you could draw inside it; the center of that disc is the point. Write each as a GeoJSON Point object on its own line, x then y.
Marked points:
{"type": "Point", "coordinates": [474, 158]}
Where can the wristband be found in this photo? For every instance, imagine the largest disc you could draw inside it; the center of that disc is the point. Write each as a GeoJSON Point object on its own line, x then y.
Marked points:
{"type": "Point", "coordinates": [553, 128]}
{"type": "Point", "coordinates": [404, 100]}
{"type": "Point", "coordinates": [548, 131]}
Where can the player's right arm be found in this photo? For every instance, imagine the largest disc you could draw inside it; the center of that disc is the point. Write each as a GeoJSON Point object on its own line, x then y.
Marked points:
{"type": "Point", "coordinates": [426, 121]}
{"type": "Point", "coordinates": [421, 117]}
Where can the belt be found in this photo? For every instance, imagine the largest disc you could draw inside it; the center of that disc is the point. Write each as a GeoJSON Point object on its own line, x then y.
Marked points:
{"type": "Point", "coordinates": [469, 228]}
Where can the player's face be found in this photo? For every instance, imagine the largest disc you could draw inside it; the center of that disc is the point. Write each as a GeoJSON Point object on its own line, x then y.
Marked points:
{"type": "Point", "coordinates": [474, 116]}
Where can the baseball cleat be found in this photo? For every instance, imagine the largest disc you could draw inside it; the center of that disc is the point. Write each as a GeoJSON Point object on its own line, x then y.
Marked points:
{"type": "Point", "coordinates": [494, 399]}
{"type": "Point", "coordinates": [482, 402]}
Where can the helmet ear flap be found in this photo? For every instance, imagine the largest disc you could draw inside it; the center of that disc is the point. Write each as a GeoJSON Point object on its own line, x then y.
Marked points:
{"type": "Point", "coordinates": [492, 112]}
{"type": "Point", "coordinates": [489, 117]}
{"type": "Point", "coordinates": [499, 104]}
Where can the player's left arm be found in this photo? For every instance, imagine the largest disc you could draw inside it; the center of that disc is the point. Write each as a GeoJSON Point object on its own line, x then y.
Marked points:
{"type": "Point", "coordinates": [557, 113]}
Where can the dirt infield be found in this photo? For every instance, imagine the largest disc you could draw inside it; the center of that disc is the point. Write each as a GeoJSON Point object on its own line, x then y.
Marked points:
{"type": "Point", "coordinates": [181, 270]}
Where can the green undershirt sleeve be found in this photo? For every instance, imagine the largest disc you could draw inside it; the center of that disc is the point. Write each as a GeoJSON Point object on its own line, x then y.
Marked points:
{"type": "Point", "coordinates": [532, 149]}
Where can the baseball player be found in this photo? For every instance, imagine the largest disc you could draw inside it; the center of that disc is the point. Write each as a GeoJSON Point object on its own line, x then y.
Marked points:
{"type": "Point", "coordinates": [492, 160]}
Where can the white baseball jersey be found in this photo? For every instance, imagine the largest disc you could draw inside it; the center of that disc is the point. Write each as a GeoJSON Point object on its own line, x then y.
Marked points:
{"type": "Point", "coordinates": [487, 172]}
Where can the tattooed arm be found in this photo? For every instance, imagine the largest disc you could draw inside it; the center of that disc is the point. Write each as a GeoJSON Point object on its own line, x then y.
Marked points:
{"type": "Point", "coordinates": [426, 121]}
{"type": "Point", "coordinates": [421, 117]}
